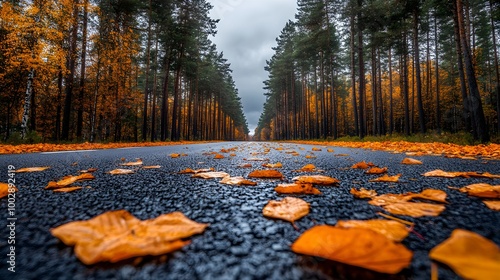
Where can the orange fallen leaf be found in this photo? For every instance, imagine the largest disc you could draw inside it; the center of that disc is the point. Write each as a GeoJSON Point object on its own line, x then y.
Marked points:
{"type": "Point", "coordinates": [134, 163]}
{"type": "Point", "coordinates": [386, 199]}
{"type": "Point", "coordinates": [66, 189]}
{"type": "Point", "coordinates": [32, 169]}
{"type": "Point", "coordinates": [441, 173]}
{"type": "Point", "coordinates": [117, 235]}
{"type": "Point", "coordinates": [68, 180]}
{"type": "Point", "coordinates": [363, 193]}
{"type": "Point", "coordinates": [432, 194]}
{"type": "Point", "coordinates": [414, 209]}
{"type": "Point", "coordinates": [191, 171]}
{"type": "Point", "coordinates": [288, 209]}
{"type": "Point", "coordinates": [310, 156]}
{"type": "Point", "coordinates": [121, 171]}
{"type": "Point", "coordinates": [266, 174]}
{"type": "Point", "coordinates": [255, 159]}
{"type": "Point", "coordinates": [219, 156]}
{"type": "Point", "coordinates": [240, 181]}
{"type": "Point", "coordinates": [411, 161]}
{"type": "Point", "coordinates": [362, 165]}
{"type": "Point", "coordinates": [354, 246]}
{"type": "Point", "coordinates": [376, 170]}
{"type": "Point", "coordinates": [247, 165]}
{"type": "Point", "coordinates": [90, 170]}
{"type": "Point", "coordinates": [314, 149]}
{"type": "Point", "coordinates": [469, 254]}
{"type": "Point", "coordinates": [393, 230]}
{"type": "Point", "coordinates": [316, 179]}
{"type": "Point", "coordinates": [387, 178]}
{"type": "Point", "coordinates": [210, 175]}
{"type": "Point", "coordinates": [493, 204]}
{"type": "Point", "coordinates": [482, 190]}
{"type": "Point", "coordinates": [152, 167]}
{"type": "Point", "coordinates": [4, 189]}
{"type": "Point", "coordinates": [330, 150]}
{"type": "Point", "coordinates": [296, 189]}
{"type": "Point", "coordinates": [270, 165]}
{"type": "Point", "coordinates": [307, 168]}
{"type": "Point", "coordinates": [175, 155]}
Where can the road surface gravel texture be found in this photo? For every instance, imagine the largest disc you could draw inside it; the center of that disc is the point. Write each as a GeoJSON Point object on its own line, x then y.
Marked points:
{"type": "Point", "coordinates": [240, 242]}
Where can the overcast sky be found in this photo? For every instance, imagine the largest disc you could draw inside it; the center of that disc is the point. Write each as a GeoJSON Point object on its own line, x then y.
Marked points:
{"type": "Point", "coordinates": [245, 34]}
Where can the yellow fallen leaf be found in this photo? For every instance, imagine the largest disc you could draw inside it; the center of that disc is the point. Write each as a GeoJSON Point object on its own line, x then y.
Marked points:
{"type": "Point", "coordinates": [363, 193]}
{"type": "Point", "coordinates": [469, 254]}
{"type": "Point", "coordinates": [288, 209]}
{"type": "Point", "coordinates": [32, 169]}
{"type": "Point", "coordinates": [117, 235]}
{"type": "Point", "coordinates": [354, 246]}
{"type": "Point", "coordinates": [266, 174]}
{"type": "Point", "coordinates": [121, 172]}
{"type": "Point", "coordinates": [411, 161]}
{"type": "Point", "coordinates": [393, 230]}
{"type": "Point", "coordinates": [414, 209]}
{"type": "Point", "coordinates": [387, 178]}
{"type": "Point", "coordinates": [210, 175]}
{"type": "Point", "coordinates": [296, 189]}
{"type": "Point", "coordinates": [240, 181]}
{"type": "Point", "coordinates": [432, 194]}
{"type": "Point", "coordinates": [493, 204]}
{"type": "Point", "coordinates": [4, 189]}
{"type": "Point", "coordinates": [316, 179]}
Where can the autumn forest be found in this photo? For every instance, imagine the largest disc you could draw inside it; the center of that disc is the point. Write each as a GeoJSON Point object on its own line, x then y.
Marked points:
{"type": "Point", "coordinates": [131, 70]}
{"type": "Point", "coordinates": [377, 67]}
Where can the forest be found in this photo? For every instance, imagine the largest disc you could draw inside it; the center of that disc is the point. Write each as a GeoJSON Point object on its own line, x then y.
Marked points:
{"type": "Point", "coordinates": [381, 67]}
{"type": "Point", "coordinates": [114, 70]}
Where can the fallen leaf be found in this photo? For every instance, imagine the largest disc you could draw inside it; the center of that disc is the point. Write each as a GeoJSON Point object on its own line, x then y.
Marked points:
{"type": "Point", "coordinates": [191, 171]}
{"type": "Point", "coordinates": [387, 178]}
{"type": "Point", "coordinates": [469, 254]}
{"type": "Point", "coordinates": [354, 246]}
{"type": "Point", "coordinates": [411, 161]}
{"type": "Point", "coordinates": [386, 199]}
{"type": "Point", "coordinates": [4, 189]}
{"type": "Point", "coordinates": [121, 171]}
{"type": "Point", "coordinates": [134, 163]}
{"type": "Point", "coordinates": [247, 165]}
{"type": "Point", "coordinates": [310, 156]}
{"type": "Point", "coordinates": [296, 189]}
{"type": "Point", "coordinates": [376, 170]}
{"type": "Point", "coordinates": [330, 150]}
{"type": "Point", "coordinates": [240, 181]}
{"type": "Point", "coordinates": [307, 168]}
{"type": "Point", "coordinates": [255, 159]}
{"type": "Point", "coordinates": [152, 167]}
{"type": "Point", "coordinates": [210, 175]}
{"type": "Point", "coordinates": [393, 230]}
{"type": "Point", "coordinates": [316, 179]}
{"type": "Point", "coordinates": [32, 169]}
{"type": "Point", "coordinates": [493, 204]}
{"type": "Point", "coordinates": [175, 155]}
{"type": "Point", "coordinates": [90, 170]}
{"type": "Point", "coordinates": [288, 209]}
{"type": "Point", "coordinates": [432, 194]}
{"type": "Point", "coordinates": [266, 174]}
{"type": "Point", "coordinates": [68, 180]}
{"type": "Point", "coordinates": [314, 149]}
{"type": "Point", "coordinates": [414, 209]}
{"type": "Point", "coordinates": [482, 190]}
{"type": "Point", "coordinates": [66, 189]}
{"type": "Point", "coordinates": [117, 235]}
{"type": "Point", "coordinates": [219, 156]}
{"type": "Point", "coordinates": [362, 165]}
{"type": "Point", "coordinates": [270, 165]}
{"type": "Point", "coordinates": [441, 173]}
{"type": "Point", "coordinates": [363, 193]}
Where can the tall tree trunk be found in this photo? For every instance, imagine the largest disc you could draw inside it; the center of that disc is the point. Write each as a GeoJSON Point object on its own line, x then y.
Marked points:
{"type": "Point", "coordinates": [81, 102]}
{"type": "Point", "coordinates": [57, 134]}
{"type": "Point", "coordinates": [474, 96]}
{"type": "Point", "coordinates": [164, 104]}
{"type": "Point", "coordinates": [416, 48]}
{"type": "Point", "coordinates": [391, 109]}
{"type": "Point", "coordinates": [497, 70]}
{"type": "Point", "coordinates": [353, 75]}
{"type": "Point", "coordinates": [361, 69]}
{"type": "Point", "coordinates": [438, 101]}
{"type": "Point", "coordinates": [374, 90]}
{"type": "Point", "coordinates": [27, 103]}
{"type": "Point", "coordinates": [146, 82]}
{"type": "Point", "coordinates": [404, 70]}
{"type": "Point", "coordinates": [70, 77]}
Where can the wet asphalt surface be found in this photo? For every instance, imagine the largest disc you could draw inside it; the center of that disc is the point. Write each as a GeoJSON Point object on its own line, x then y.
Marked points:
{"type": "Point", "coordinates": [239, 243]}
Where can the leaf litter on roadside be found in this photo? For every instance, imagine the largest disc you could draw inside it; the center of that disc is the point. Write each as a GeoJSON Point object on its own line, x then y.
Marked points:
{"type": "Point", "coordinates": [118, 235]}
{"type": "Point", "coordinates": [296, 188]}
{"type": "Point", "coordinates": [316, 180]}
{"type": "Point", "coordinates": [266, 174]}
{"type": "Point", "coordinates": [468, 174]}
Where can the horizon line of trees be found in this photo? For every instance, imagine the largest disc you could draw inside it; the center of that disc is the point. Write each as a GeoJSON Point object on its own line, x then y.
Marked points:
{"type": "Point", "coordinates": [114, 70]}
{"type": "Point", "coordinates": [377, 67]}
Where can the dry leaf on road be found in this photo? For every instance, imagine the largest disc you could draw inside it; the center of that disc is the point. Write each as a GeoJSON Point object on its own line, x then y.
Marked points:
{"type": "Point", "coordinates": [271, 165]}
{"type": "Point", "coordinates": [117, 235]}
{"type": "Point", "coordinates": [266, 174]}
{"type": "Point", "coordinates": [134, 163]}
{"type": "Point", "coordinates": [376, 170]}
{"type": "Point", "coordinates": [414, 209]}
{"type": "Point", "coordinates": [210, 175]}
{"type": "Point", "coordinates": [32, 169]}
{"type": "Point", "coordinates": [121, 171]}
{"type": "Point", "coordinates": [432, 194]}
{"type": "Point", "coordinates": [362, 165]}
{"type": "Point", "coordinates": [307, 168]}
{"type": "Point", "coordinates": [288, 209]}
{"type": "Point", "coordinates": [354, 246]}
{"type": "Point", "coordinates": [316, 180]}
{"type": "Point", "coordinates": [389, 198]}
{"type": "Point", "coordinates": [363, 193]}
{"type": "Point", "coordinates": [240, 181]}
{"type": "Point", "coordinates": [393, 230]}
{"type": "Point", "coordinates": [441, 173]}
{"type": "Point", "coordinates": [68, 180]}
{"type": "Point", "coordinates": [296, 189]}
{"type": "Point", "coordinates": [493, 204]}
{"type": "Point", "coordinates": [387, 178]}
{"type": "Point", "coordinates": [482, 190]}
{"type": "Point", "coordinates": [469, 254]}
{"type": "Point", "coordinates": [411, 161]}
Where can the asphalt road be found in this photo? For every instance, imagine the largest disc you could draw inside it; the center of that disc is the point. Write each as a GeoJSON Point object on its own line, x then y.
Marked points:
{"type": "Point", "coordinates": [239, 243]}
